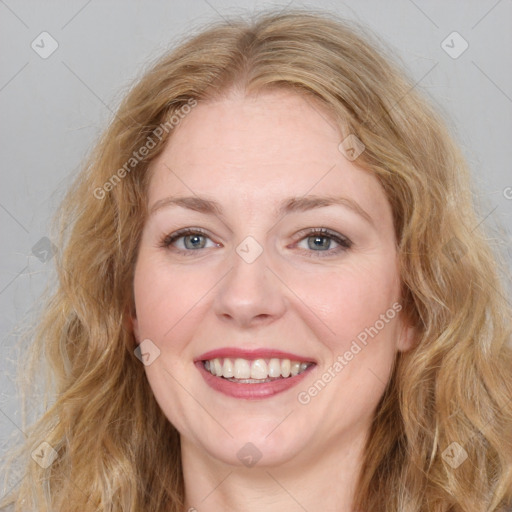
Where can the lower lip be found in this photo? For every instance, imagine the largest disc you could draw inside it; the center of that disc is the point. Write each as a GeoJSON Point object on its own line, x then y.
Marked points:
{"type": "Point", "coordinates": [250, 391]}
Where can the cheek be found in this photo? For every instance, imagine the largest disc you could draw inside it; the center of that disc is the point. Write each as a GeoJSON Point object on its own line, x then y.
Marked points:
{"type": "Point", "coordinates": [167, 300]}
{"type": "Point", "coordinates": [352, 299]}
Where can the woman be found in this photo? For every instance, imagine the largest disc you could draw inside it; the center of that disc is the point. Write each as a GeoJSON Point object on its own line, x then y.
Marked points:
{"type": "Point", "coordinates": [274, 294]}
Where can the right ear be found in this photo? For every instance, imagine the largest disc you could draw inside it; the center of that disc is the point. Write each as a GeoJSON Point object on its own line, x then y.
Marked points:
{"type": "Point", "coordinates": [132, 324]}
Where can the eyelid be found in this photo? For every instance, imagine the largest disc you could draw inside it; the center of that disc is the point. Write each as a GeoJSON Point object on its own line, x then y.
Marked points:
{"type": "Point", "coordinates": [303, 233]}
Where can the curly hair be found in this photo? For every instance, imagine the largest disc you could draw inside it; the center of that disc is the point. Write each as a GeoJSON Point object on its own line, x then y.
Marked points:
{"type": "Point", "coordinates": [449, 395]}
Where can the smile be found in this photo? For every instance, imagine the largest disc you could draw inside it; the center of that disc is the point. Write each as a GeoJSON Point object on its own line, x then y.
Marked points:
{"type": "Point", "coordinates": [252, 374]}
{"type": "Point", "coordinates": [254, 371]}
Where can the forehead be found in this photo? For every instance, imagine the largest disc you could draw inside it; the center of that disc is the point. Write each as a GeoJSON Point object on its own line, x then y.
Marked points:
{"type": "Point", "coordinates": [260, 149]}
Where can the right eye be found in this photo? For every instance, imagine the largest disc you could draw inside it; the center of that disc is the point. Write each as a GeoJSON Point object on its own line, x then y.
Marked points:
{"type": "Point", "coordinates": [192, 240]}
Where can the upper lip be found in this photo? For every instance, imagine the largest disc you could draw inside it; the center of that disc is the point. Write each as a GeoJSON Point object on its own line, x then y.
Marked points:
{"type": "Point", "coordinates": [258, 353]}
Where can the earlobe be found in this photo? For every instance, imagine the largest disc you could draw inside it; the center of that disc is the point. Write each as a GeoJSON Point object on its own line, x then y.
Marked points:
{"type": "Point", "coordinates": [407, 337]}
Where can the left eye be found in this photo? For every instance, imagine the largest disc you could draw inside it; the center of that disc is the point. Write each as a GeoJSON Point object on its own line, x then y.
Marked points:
{"type": "Point", "coordinates": [192, 239]}
{"type": "Point", "coordinates": [320, 240]}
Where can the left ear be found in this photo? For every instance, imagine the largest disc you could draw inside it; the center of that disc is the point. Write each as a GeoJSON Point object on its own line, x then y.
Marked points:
{"type": "Point", "coordinates": [407, 336]}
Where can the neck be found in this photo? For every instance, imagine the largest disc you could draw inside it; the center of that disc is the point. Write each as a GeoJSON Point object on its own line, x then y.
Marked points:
{"type": "Point", "coordinates": [321, 480]}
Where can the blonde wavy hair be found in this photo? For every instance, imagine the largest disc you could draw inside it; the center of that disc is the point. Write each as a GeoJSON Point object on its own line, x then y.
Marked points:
{"type": "Point", "coordinates": [116, 449]}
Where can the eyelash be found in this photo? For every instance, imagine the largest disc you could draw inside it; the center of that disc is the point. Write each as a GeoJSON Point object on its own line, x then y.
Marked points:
{"type": "Point", "coordinates": [344, 242]}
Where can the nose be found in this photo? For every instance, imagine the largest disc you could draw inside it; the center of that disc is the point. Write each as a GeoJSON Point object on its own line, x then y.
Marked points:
{"type": "Point", "coordinates": [251, 294]}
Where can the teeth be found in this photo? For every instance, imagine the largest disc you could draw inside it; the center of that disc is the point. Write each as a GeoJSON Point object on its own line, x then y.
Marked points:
{"type": "Point", "coordinates": [294, 368]}
{"type": "Point", "coordinates": [242, 369]}
{"type": "Point", "coordinates": [285, 367]}
{"type": "Point", "coordinates": [255, 370]}
{"type": "Point", "coordinates": [227, 368]}
{"type": "Point", "coordinates": [259, 369]}
{"type": "Point", "coordinates": [274, 368]}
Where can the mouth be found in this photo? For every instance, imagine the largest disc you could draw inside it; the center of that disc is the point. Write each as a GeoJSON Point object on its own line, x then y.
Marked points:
{"type": "Point", "coordinates": [251, 375]}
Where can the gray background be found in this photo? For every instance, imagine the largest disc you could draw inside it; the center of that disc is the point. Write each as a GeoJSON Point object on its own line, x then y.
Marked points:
{"type": "Point", "coordinates": [53, 109]}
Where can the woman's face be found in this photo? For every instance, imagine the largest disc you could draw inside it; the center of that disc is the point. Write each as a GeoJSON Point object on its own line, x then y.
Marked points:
{"type": "Point", "coordinates": [256, 292]}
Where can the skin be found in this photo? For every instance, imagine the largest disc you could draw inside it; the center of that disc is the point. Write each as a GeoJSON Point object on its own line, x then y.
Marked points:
{"type": "Point", "coordinates": [249, 154]}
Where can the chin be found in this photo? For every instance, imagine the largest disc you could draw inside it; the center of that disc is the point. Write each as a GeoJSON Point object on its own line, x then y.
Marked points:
{"type": "Point", "coordinates": [260, 444]}
{"type": "Point", "coordinates": [255, 451]}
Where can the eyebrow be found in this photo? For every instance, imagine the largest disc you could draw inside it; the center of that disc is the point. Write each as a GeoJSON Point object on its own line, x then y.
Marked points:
{"type": "Point", "coordinates": [289, 205]}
